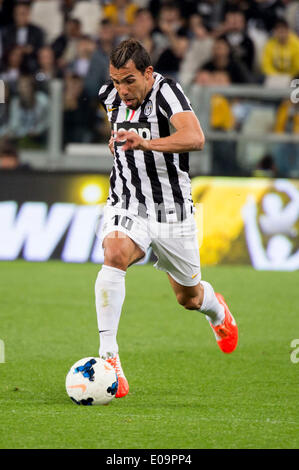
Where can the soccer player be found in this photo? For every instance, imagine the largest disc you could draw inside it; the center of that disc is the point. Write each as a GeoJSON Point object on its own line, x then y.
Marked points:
{"type": "Point", "coordinates": [149, 202]}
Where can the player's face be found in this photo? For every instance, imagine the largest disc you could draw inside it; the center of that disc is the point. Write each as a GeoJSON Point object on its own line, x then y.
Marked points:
{"type": "Point", "coordinates": [131, 84]}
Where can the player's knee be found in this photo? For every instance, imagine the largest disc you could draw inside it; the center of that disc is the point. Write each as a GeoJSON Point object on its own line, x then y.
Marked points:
{"type": "Point", "coordinates": [116, 257]}
{"type": "Point", "coordinates": [189, 303]}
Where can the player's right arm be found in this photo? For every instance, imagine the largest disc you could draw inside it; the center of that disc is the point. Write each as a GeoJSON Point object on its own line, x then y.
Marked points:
{"type": "Point", "coordinates": [188, 136]}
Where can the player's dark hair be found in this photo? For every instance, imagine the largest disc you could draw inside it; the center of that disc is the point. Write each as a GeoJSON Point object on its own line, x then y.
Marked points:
{"type": "Point", "coordinates": [130, 49]}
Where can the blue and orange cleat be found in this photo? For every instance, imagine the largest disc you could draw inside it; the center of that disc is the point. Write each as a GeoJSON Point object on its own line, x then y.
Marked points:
{"type": "Point", "coordinates": [227, 332]}
{"type": "Point", "coordinates": [123, 386]}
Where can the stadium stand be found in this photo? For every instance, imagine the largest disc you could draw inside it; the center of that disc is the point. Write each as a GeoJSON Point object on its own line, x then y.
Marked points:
{"type": "Point", "coordinates": [64, 45]}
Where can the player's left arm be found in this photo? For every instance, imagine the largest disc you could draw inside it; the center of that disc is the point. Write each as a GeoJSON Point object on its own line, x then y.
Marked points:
{"type": "Point", "coordinates": [188, 136]}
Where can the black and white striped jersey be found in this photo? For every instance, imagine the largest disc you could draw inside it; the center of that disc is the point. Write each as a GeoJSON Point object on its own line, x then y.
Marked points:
{"type": "Point", "coordinates": [149, 183]}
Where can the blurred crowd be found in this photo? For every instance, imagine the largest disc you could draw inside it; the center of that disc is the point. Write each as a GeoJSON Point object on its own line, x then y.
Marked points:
{"type": "Point", "coordinates": [208, 42]}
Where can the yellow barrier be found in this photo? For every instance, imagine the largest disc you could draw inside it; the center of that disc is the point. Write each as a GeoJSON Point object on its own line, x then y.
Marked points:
{"type": "Point", "coordinates": [248, 220]}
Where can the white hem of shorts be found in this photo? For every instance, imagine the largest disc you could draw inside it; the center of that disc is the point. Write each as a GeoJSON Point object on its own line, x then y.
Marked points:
{"type": "Point", "coordinates": [191, 283]}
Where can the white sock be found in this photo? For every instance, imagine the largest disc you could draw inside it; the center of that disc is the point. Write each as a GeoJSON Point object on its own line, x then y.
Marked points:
{"type": "Point", "coordinates": [110, 296]}
{"type": "Point", "coordinates": [211, 307]}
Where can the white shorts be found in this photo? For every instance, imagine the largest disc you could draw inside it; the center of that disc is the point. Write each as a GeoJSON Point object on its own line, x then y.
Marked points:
{"type": "Point", "coordinates": [175, 244]}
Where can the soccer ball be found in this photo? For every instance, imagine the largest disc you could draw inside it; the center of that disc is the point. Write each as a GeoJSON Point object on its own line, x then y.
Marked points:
{"type": "Point", "coordinates": [91, 381]}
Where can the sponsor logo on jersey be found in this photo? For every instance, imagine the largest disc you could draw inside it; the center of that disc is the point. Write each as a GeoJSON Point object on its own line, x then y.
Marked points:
{"type": "Point", "coordinates": [143, 129]}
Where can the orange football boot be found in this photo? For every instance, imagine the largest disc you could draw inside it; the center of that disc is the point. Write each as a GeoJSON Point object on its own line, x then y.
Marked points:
{"type": "Point", "coordinates": [123, 386]}
{"type": "Point", "coordinates": [227, 332]}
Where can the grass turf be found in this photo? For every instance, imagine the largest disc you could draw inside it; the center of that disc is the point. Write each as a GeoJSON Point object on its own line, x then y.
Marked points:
{"type": "Point", "coordinates": [184, 393]}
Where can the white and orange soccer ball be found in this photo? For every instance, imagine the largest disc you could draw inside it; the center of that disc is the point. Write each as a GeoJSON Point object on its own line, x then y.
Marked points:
{"type": "Point", "coordinates": [91, 381]}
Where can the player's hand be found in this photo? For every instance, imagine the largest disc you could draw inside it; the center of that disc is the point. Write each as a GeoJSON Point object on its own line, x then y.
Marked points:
{"type": "Point", "coordinates": [132, 140]}
{"type": "Point", "coordinates": [111, 145]}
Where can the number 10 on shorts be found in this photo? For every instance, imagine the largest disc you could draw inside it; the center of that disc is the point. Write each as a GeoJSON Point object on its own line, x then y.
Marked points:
{"type": "Point", "coordinates": [124, 221]}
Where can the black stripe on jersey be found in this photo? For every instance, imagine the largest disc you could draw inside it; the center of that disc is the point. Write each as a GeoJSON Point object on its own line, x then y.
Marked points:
{"type": "Point", "coordinates": [115, 105]}
{"type": "Point", "coordinates": [103, 96]}
{"type": "Point", "coordinates": [175, 186]}
{"type": "Point", "coordinates": [161, 101]}
{"type": "Point", "coordinates": [156, 186]}
{"type": "Point", "coordinates": [171, 168]}
{"type": "Point", "coordinates": [151, 170]}
{"type": "Point", "coordinates": [136, 181]}
{"type": "Point", "coordinates": [164, 129]}
{"type": "Point", "coordinates": [184, 162]}
{"type": "Point", "coordinates": [180, 96]}
{"type": "Point", "coordinates": [112, 186]}
{"type": "Point", "coordinates": [126, 195]}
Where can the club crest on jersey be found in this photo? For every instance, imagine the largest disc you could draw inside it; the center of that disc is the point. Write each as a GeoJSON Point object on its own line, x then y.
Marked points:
{"type": "Point", "coordinates": [148, 108]}
{"type": "Point", "coordinates": [143, 129]}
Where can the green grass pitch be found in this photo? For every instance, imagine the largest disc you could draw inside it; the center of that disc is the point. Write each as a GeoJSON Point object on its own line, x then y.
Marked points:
{"type": "Point", "coordinates": [184, 392]}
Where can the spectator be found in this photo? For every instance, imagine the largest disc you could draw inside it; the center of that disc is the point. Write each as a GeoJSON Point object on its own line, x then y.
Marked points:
{"type": "Point", "coordinates": [9, 157]}
{"type": "Point", "coordinates": [29, 113]}
{"type": "Point", "coordinates": [4, 113]}
{"type": "Point", "coordinates": [170, 27]}
{"type": "Point", "coordinates": [122, 15]}
{"type": "Point", "coordinates": [263, 14]}
{"type": "Point", "coordinates": [24, 34]}
{"type": "Point", "coordinates": [203, 78]}
{"type": "Point", "coordinates": [286, 154]}
{"type": "Point", "coordinates": [106, 39]}
{"type": "Point", "coordinates": [169, 61]}
{"type": "Point", "coordinates": [211, 12]}
{"type": "Point", "coordinates": [76, 117]}
{"type": "Point", "coordinates": [81, 63]}
{"type": "Point", "coordinates": [98, 71]}
{"type": "Point", "coordinates": [187, 7]}
{"type": "Point", "coordinates": [236, 5]}
{"type": "Point", "coordinates": [65, 46]}
{"type": "Point", "coordinates": [47, 69]}
{"type": "Point", "coordinates": [199, 51]}
{"type": "Point", "coordinates": [13, 61]}
{"type": "Point", "coordinates": [222, 117]}
{"type": "Point", "coordinates": [281, 52]}
{"type": "Point", "coordinates": [224, 160]}
{"type": "Point", "coordinates": [222, 60]}
{"type": "Point", "coordinates": [91, 69]}
{"type": "Point", "coordinates": [233, 29]}
{"type": "Point", "coordinates": [142, 30]}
